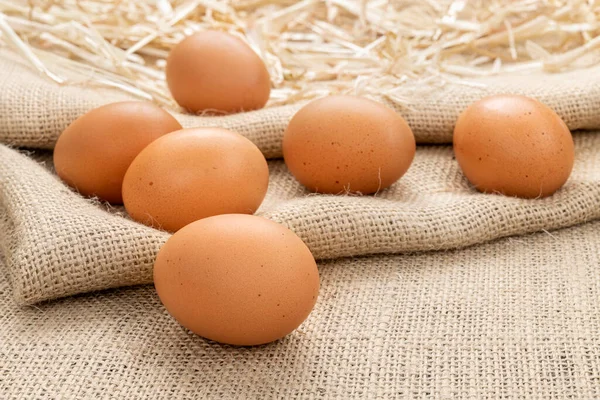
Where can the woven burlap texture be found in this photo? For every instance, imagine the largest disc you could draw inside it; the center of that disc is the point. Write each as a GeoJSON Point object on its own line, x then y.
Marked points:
{"type": "Point", "coordinates": [518, 318]}
{"type": "Point", "coordinates": [58, 243]}
{"type": "Point", "coordinates": [35, 110]}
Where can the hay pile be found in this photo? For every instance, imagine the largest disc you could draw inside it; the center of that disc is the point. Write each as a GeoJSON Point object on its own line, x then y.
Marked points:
{"type": "Point", "coordinates": [312, 48]}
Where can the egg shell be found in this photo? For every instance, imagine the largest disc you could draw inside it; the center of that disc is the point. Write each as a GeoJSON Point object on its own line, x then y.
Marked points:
{"type": "Point", "coordinates": [94, 152]}
{"type": "Point", "coordinates": [513, 145]}
{"type": "Point", "coordinates": [341, 144]}
{"type": "Point", "coordinates": [192, 174]}
{"type": "Point", "coordinates": [219, 72]}
{"type": "Point", "coordinates": [237, 279]}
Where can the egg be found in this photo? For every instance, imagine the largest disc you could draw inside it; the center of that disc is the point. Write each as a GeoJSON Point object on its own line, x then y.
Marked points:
{"type": "Point", "coordinates": [237, 279]}
{"type": "Point", "coordinates": [94, 152]}
{"type": "Point", "coordinates": [513, 145]}
{"type": "Point", "coordinates": [216, 71]}
{"type": "Point", "coordinates": [192, 174]}
{"type": "Point", "coordinates": [347, 144]}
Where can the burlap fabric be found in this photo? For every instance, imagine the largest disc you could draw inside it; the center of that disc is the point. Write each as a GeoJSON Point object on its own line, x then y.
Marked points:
{"type": "Point", "coordinates": [35, 110]}
{"type": "Point", "coordinates": [517, 318]}
{"type": "Point", "coordinates": [58, 244]}
{"type": "Point", "coordinates": [514, 318]}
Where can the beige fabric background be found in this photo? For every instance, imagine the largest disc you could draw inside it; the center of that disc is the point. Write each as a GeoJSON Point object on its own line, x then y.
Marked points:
{"type": "Point", "coordinates": [35, 110]}
{"type": "Point", "coordinates": [58, 243]}
{"type": "Point", "coordinates": [516, 319]}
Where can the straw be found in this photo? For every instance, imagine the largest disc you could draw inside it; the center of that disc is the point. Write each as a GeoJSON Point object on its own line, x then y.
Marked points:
{"type": "Point", "coordinates": [312, 48]}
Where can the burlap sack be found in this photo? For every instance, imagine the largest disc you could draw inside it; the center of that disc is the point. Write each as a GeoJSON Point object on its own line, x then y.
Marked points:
{"type": "Point", "coordinates": [518, 318]}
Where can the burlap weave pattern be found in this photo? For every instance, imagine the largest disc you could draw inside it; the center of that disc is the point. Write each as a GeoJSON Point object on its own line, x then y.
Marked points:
{"type": "Point", "coordinates": [58, 243]}
{"type": "Point", "coordinates": [35, 110]}
{"type": "Point", "coordinates": [516, 319]}
{"type": "Point", "coordinates": [484, 317]}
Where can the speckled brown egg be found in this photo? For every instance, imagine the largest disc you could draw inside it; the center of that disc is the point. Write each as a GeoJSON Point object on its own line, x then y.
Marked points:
{"type": "Point", "coordinates": [94, 152]}
{"type": "Point", "coordinates": [216, 71]}
{"type": "Point", "coordinates": [513, 145]}
{"type": "Point", "coordinates": [342, 144]}
{"type": "Point", "coordinates": [237, 279]}
{"type": "Point", "coordinates": [192, 174]}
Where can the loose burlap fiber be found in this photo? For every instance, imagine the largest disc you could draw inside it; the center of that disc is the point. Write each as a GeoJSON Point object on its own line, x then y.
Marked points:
{"type": "Point", "coordinates": [518, 318]}
{"type": "Point", "coordinates": [59, 244]}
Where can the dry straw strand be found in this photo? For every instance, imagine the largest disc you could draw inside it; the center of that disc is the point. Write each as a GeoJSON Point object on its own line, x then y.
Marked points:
{"type": "Point", "coordinates": [312, 47]}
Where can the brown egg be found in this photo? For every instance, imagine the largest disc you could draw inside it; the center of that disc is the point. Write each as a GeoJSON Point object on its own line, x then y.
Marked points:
{"type": "Point", "coordinates": [94, 152]}
{"type": "Point", "coordinates": [237, 279]}
{"type": "Point", "coordinates": [513, 145]}
{"type": "Point", "coordinates": [342, 144]}
{"type": "Point", "coordinates": [217, 71]}
{"type": "Point", "coordinates": [192, 174]}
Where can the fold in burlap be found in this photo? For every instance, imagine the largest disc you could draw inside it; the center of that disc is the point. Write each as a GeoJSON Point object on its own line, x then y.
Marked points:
{"type": "Point", "coordinates": [518, 318]}
{"type": "Point", "coordinates": [34, 110]}
{"type": "Point", "coordinates": [58, 243]}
